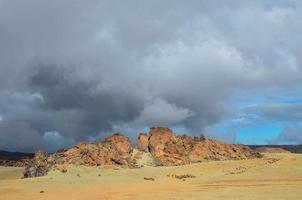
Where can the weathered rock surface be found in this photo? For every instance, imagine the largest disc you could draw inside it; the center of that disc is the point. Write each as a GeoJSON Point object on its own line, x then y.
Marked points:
{"type": "Point", "coordinates": [169, 149]}
{"type": "Point", "coordinates": [38, 166]}
{"type": "Point", "coordinates": [161, 147]}
{"type": "Point", "coordinates": [14, 159]}
{"type": "Point", "coordinates": [13, 163]}
{"type": "Point", "coordinates": [142, 142]}
{"type": "Point", "coordinates": [114, 150]}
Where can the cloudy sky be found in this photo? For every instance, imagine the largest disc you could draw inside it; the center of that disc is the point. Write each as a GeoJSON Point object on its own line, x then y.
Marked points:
{"type": "Point", "coordinates": [80, 70]}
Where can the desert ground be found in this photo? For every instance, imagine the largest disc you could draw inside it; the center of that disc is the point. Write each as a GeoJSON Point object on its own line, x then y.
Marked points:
{"type": "Point", "coordinates": [276, 176]}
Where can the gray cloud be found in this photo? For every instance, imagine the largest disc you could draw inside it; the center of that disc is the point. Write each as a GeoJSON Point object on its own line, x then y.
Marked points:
{"type": "Point", "coordinates": [19, 136]}
{"type": "Point", "coordinates": [288, 136]}
{"type": "Point", "coordinates": [81, 69]}
{"type": "Point", "coordinates": [161, 113]}
{"type": "Point", "coordinates": [229, 137]}
{"type": "Point", "coordinates": [290, 113]}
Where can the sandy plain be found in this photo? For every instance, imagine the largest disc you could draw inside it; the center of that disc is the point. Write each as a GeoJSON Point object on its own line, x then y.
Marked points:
{"type": "Point", "coordinates": [276, 176]}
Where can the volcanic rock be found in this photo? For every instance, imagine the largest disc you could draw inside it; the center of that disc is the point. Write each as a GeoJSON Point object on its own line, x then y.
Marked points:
{"type": "Point", "coordinates": [169, 149]}
{"type": "Point", "coordinates": [13, 163]}
{"type": "Point", "coordinates": [114, 150]}
{"type": "Point", "coordinates": [142, 142]}
{"type": "Point", "coordinates": [38, 166]}
{"type": "Point", "coordinates": [159, 139]}
{"type": "Point", "coordinates": [161, 147]}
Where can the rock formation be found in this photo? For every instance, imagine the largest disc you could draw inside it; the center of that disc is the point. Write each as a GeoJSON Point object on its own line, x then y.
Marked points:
{"type": "Point", "coordinates": [114, 150]}
{"type": "Point", "coordinates": [38, 166]}
{"type": "Point", "coordinates": [169, 149]}
{"type": "Point", "coordinates": [13, 163]}
{"type": "Point", "coordinates": [14, 159]}
{"type": "Point", "coordinates": [163, 146]}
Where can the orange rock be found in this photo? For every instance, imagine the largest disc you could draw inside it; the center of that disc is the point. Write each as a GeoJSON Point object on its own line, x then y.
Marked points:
{"type": "Point", "coordinates": [169, 149]}
{"type": "Point", "coordinates": [120, 142]}
{"type": "Point", "coordinates": [142, 142]}
{"type": "Point", "coordinates": [165, 147]}
{"type": "Point", "coordinates": [159, 137]}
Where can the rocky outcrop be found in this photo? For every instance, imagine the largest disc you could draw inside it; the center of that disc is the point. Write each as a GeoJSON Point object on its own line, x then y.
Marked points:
{"type": "Point", "coordinates": [114, 150]}
{"type": "Point", "coordinates": [13, 163]}
{"type": "Point", "coordinates": [14, 159]}
{"type": "Point", "coordinates": [169, 149]}
{"type": "Point", "coordinates": [38, 166]}
{"type": "Point", "coordinates": [161, 147]}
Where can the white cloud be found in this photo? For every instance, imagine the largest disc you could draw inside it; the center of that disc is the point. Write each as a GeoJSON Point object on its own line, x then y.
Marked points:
{"type": "Point", "coordinates": [161, 113]}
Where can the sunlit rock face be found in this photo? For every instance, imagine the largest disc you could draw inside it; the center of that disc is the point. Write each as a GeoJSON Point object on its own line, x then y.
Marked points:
{"type": "Point", "coordinates": [163, 145]}
{"type": "Point", "coordinates": [169, 149]}
{"type": "Point", "coordinates": [113, 150]}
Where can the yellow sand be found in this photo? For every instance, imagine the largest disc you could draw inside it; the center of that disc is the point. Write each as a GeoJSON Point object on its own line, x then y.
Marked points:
{"type": "Point", "coordinates": [266, 178]}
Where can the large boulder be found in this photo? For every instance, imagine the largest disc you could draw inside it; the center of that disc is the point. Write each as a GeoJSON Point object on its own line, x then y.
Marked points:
{"type": "Point", "coordinates": [120, 149]}
{"type": "Point", "coordinates": [159, 137]}
{"type": "Point", "coordinates": [38, 166]}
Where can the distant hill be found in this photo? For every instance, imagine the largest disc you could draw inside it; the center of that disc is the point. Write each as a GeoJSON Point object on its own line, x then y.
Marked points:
{"type": "Point", "coordinates": [6, 155]}
{"type": "Point", "coordinates": [291, 148]}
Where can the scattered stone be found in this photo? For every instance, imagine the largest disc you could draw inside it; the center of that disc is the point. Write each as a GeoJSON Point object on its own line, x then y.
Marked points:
{"type": "Point", "coordinates": [273, 160]}
{"type": "Point", "coordinates": [237, 170]}
{"type": "Point", "coordinates": [42, 191]}
{"type": "Point", "coordinates": [79, 175]}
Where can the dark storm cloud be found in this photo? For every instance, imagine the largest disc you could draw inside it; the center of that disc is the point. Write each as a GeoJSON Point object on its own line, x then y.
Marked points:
{"type": "Point", "coordinates": [69, 102]}
{"type": "Point", "coordinates": [19, 136]}
{"type": "Point", "coordinates": [78, 70]}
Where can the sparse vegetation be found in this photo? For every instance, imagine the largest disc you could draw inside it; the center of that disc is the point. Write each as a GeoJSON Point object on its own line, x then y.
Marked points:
{"type": "Point", "coordinates": [149, 179]}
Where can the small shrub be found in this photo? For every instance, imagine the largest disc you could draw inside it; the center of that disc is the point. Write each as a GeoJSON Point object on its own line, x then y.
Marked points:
{"type": "Point", "coordinates": [149, 179]}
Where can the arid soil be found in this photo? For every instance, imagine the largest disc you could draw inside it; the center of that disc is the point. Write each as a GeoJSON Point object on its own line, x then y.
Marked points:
{"type": "Point", "coordinates": [275, 176]}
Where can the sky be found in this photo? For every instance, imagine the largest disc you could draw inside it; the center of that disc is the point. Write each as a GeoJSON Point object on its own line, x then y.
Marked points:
{"type": "Point", "coordinates": [77, 70]}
